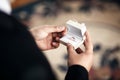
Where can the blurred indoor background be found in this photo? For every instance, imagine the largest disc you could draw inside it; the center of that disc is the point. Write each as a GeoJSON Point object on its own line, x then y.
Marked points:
{"type": "Point", "coordinates": [102, 18]}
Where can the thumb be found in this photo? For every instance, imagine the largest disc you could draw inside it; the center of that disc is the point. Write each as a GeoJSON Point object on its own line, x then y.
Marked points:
{"type": "Point", "coordinates": [55, 29]}
{"type": "Point", "coordinates": [70, 49]}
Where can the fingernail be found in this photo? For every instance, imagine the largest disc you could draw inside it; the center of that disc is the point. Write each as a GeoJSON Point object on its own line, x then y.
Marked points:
{"type": "Point", "coordinates": [61, 27]}
{"type": "Point", "coordinates": [68, 44]}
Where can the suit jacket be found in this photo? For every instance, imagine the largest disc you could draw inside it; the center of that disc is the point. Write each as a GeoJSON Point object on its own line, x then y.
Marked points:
{"type": "Point", "coordinates": [21, 59]}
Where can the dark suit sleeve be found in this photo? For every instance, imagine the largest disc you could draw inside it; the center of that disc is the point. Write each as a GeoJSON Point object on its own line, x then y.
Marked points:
{"type": "Point", "coordinates": [20, 57]}
{"type": "Point", "coordinates": [76, 72]}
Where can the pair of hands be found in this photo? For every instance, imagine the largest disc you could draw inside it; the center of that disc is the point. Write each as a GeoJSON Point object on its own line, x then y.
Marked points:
{"type": "Point", "coordinates": [47, 37]}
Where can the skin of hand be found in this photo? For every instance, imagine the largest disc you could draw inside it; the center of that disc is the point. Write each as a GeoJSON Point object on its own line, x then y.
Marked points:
{"type": "Point", "coordinates": [47, 37]}
{"type": "Point", "coordinates": [78, 57]}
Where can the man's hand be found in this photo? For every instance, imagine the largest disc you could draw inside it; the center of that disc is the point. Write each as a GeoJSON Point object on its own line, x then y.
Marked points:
{"type": "Point", "coordinates": [78, 57]}
{"type": "Point", "coordinates": [47, 37]}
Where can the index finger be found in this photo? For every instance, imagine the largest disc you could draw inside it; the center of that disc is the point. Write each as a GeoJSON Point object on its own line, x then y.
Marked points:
{"type": "Point", "coordinates": [51, 29]}
{"type": "Point", "coordinates": [88, 43]}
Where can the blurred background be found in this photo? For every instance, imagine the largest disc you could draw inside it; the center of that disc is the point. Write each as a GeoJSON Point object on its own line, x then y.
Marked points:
{"type": "Point", "coordinates": [102, 19]}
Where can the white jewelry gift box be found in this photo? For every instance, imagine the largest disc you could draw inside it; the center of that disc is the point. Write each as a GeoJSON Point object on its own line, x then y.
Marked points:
{"type": "Point", "coordinates": [75, 33]}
